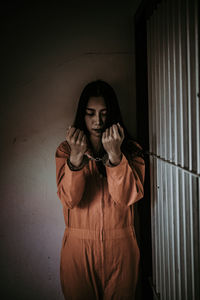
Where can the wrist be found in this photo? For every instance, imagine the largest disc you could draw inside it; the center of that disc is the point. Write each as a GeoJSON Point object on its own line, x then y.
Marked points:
{"type": "Point", "coordinates": [76, 159]}
{"type": "Point", "coordinates": [115, 158]}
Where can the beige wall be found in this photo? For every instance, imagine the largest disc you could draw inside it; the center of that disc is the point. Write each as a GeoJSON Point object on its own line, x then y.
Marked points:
{"type": "Point", "coordinates": [50, 54]}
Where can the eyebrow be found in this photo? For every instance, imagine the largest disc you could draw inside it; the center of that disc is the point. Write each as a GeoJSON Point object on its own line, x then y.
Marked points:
{"type": "Point", "coordinates": [92, 109]}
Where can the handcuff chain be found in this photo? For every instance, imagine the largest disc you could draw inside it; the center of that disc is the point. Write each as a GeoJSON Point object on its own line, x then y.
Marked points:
{"type": "Point", "coordinates": [95, 158]}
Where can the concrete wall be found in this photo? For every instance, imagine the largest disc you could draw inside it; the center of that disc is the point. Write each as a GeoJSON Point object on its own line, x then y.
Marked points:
{"type": "Point", "coordinates": [49, 54]}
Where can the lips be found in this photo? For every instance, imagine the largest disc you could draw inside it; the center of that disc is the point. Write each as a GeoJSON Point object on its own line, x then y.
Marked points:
{"type": "Point", "coordinates": [99, 130]}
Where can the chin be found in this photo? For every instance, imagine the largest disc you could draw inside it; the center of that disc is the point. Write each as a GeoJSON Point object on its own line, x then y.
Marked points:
{"type": "Point", "coordinates": [96, 134]}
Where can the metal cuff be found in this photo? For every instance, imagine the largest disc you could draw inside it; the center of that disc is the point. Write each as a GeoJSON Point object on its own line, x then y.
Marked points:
{"type": "Point", "coordinates": [74, 168]}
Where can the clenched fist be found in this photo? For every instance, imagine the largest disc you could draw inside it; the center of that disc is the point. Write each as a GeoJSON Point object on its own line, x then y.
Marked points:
{"type": "Point", "coordinates": [112, 139]}
{"type": "Point", "coordinates": [78, 143]}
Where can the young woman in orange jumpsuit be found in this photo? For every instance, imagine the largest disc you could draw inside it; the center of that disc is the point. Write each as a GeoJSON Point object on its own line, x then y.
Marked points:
{"type": "Point", "coordinates": [100, 175]}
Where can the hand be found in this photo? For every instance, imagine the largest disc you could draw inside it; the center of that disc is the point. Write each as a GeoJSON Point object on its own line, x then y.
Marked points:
{"type": "Point", "coordinates": [78, 143]}
{"type": "Point", "coordinates": [112, 139]}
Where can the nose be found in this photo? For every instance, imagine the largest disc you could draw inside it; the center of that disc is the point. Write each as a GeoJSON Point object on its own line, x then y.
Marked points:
{"type": "Point", "coordinates": [98, 119]}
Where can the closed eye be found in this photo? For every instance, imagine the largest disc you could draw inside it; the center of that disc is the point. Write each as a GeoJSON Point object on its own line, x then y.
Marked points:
{"type": "Point", "coordinates": [91, 112]}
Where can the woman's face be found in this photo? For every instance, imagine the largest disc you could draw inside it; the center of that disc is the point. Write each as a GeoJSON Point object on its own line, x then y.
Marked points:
{"type": "Point", "coordinates": [95, 116]}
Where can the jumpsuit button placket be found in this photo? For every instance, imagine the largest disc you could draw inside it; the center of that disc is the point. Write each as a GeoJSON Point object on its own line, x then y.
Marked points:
{"type": "Point", "coordinates": [102, 235]}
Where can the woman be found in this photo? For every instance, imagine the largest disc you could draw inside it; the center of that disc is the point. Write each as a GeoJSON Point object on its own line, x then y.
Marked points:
{"type": "Point", "coordinates": [100, 175]}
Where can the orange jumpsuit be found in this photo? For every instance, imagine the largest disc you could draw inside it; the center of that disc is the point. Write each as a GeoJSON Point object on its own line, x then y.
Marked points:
{"type": "Point", "coordinates": [100, 254]}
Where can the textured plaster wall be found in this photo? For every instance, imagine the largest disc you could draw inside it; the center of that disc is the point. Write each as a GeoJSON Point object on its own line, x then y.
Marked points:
{"type": "Point", "coordinates": [48, 55]}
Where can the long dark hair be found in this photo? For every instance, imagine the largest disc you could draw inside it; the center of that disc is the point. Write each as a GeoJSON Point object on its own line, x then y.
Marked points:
{"type": "Point", "coordinates": [100, 88]}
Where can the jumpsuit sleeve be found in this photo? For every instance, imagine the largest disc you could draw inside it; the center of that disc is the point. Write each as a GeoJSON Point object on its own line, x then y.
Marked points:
{"type": "Point", "coordinates": [126, 180]}
{"type": "Point", "coordinates": [70, 184]}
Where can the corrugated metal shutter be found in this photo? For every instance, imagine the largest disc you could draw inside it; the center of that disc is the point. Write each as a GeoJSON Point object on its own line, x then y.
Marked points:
{"type": "Point", "coordinates": [174, 134]}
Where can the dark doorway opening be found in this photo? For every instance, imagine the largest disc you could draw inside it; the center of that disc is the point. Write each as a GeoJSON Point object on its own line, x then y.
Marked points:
{"type": "Point", "coordinates": [144, 11]}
